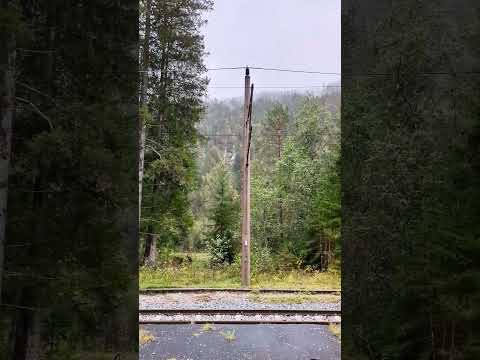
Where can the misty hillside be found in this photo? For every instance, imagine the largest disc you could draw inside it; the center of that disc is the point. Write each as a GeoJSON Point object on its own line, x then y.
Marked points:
{"type": "Point", "coordinates": [223, 118]}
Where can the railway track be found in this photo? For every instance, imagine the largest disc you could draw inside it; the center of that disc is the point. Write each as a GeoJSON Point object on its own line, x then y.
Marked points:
{"type": "Point", "coordinates": [240, 312]}
{"type": "Point", "coordinates": [239, 290]}
{"type": "Point", "coordinates": [238, 316]}
{"type": "Point", "coordinates": [226, 315]}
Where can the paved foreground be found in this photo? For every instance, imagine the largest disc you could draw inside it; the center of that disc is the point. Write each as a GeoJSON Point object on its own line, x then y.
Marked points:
{"type": "Point", "coordinates": [240, 342]}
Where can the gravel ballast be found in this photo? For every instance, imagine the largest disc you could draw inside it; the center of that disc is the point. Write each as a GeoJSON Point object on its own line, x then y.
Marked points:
{"type": "Point", "coordinates": [230, 300]}
{"type": "Point", "coordinates": [236, 301]}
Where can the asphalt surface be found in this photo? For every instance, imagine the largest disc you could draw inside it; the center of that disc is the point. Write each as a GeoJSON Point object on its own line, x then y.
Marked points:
{"type": "Point", "coordinates": [252, 342]}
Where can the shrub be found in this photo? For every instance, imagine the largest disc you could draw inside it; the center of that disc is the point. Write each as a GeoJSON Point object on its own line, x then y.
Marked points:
{"type": "Point", "coordinates": [222, 249]}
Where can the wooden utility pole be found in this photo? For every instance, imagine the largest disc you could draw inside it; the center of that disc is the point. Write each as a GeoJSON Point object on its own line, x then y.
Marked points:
{"type": "Point", "coordinates": [245, 190]}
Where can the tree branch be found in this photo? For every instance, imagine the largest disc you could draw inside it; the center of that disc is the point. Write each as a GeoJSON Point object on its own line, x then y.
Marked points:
{"type": "Point", "coordinates": [153, 149]}
{"type": "Point", "coordinates": [37, 110]}
{"type": "Point", "coordinates": [26, 86]}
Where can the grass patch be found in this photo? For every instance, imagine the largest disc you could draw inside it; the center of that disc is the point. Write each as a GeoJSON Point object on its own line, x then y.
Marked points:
{"type": "Point", "coordinates": [144, 337]}
{"type": "Point", "coordinates": [199, 274]}
{"type": "Point", "coordinates": [297, 279]}
{"type": "Point", "coordinates": [336, 329]}
{"type": "Point", "coordinates": [293, 298]}
{"type": "Point", "coordinates": [207, 327]}
{"type": "Point", "coordinates": [228, 335]}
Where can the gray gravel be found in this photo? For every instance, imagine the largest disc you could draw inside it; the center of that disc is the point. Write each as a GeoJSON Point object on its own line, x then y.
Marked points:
{"type": "Point", "coordinates": [225, 300]}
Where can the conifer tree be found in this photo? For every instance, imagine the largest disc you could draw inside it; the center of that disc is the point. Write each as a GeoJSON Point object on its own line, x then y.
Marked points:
{"type": "Point", "coordinates": [223, 216]}
{"type": "Point", "coordinates": [176, 85]}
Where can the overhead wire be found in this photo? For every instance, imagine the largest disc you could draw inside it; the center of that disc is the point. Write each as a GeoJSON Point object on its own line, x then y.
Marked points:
{"type": "Point", "coordinates": [426, 73]}
{"type": "Point", "coordinates": [273, 69]}
{"type": "Point", "coordinates": [278, 87]}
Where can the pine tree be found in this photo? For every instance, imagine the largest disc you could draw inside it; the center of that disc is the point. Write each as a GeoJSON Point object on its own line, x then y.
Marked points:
{"type": "Point", "coordinates": [70, 193]}
{"type": "Point", "coordinates": [176, 86]}
{"type": "Point", "coordinates": [223, 216]}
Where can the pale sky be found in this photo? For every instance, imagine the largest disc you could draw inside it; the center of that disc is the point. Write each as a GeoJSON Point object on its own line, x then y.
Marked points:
{"type": "Point", "coordinates": [292, 34]}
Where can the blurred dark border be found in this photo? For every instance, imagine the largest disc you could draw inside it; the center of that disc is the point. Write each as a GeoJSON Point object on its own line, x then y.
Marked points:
{"type": "Point", "coordinates": [410, 179]}
{"type": "Point", "coordinates": [70, 93]}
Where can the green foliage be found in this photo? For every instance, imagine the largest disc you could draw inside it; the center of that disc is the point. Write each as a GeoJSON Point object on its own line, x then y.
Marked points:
{"type": "Point", "coordinates": [228, 335]}
{"type": "Point", "coordinates": [72, 185]}
{"type": "Point", "coordinates": [174, 107]}
{"type": "Point", "coordinates": [411, 192]}
{"type": "Point", "coordinates": [221, 248]}
{"type": "Point", "coordinates": [223, 216]}
{"type": "Point", "coordinates": [200, 274]}
{"type": "Point", "coordinates": [262, 259]}
{"type": "Point", "coordinates": [301, 179]}
{"type": "Point", "coordinates": [12, 20]}
{"type": "Point", "coordinates": [295, 186]}
{"type": "Point", "coordinates": [146, 117]}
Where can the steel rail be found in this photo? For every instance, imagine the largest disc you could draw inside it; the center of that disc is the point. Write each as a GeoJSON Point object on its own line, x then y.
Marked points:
{"type": "Point", "coordinates": [309, 312]}
{"type": "Point", "coordinates": [242, 290]}
{"type": "Point", "coordinates": [238, 322]}
{"type": "Point", "coordinates": [333, 314]}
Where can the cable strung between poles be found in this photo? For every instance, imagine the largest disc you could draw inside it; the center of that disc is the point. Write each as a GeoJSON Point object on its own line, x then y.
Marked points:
{"type": "Point", "coordinates": [274, 69]}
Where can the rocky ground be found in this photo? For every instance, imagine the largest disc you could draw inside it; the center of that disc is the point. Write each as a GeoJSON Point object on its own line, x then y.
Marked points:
{"type": "Point", "coordinates": [236, 300]}
{"type": "Point", "coordinates": [239, 301]}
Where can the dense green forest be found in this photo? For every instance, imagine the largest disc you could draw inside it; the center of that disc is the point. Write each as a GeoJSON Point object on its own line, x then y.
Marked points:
{"type": "Point", "coordinates": [407, 205]}
{"type": "Point", "coordinates": [70, 246]}
{"type": "Point", "coordinates": [295, 181]}
{"type": "Point", "coordinates": [295, 184]}
{"type": "Point", "coordinates": [410, 181]}
{"type": "Point", "coordinates": [190, 158]}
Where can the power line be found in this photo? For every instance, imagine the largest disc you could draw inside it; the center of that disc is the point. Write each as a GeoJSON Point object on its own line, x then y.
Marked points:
{"type": "Point", "coordinates": [422, 73]}
{"type": "Point", "coordinates": [296, 71]}
{"type": "Point", "coordinates": [278, 87]}
{"type": "Point", "coordinates": [226, 68]}
{"type": "Point", "coordinates": [274, 69]}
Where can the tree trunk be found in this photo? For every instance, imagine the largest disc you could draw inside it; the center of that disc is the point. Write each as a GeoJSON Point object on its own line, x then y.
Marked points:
{"type": "Point", "coordinates": [143, 103]}
{"type": "Point", "coordinates": [150, 253]}
{"type": "Point", "coordinates": [21, 335]}
{"type": "Point", "coordinates": [280, 200]}
{"type": "Point", "coordinates": [7, 113]}
{"type": "Point", "coordinates": [34, 349]}
{"type": "Point", "coordinates": [24, 324]}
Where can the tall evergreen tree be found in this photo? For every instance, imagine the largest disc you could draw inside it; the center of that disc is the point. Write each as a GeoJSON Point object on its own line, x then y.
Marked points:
{"type": "Point", "coordinates": [176, 87]}
{"type": "Point", "coordinates": [70, 229]}
{"type": "Point", "coordinates": [223, 216]}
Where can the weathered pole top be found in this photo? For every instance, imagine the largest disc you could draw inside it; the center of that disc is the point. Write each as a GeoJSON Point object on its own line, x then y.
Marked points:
{"type": "Point", "coordinates": [247, 71]}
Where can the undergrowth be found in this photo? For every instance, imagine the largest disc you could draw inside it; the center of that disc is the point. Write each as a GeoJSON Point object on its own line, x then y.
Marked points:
{"type": "Point", "coordinates": [198, 273]}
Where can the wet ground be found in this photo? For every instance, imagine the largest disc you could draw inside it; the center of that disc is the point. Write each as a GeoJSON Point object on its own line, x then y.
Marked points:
{"type": "Point", "coordinates": [239, 342]}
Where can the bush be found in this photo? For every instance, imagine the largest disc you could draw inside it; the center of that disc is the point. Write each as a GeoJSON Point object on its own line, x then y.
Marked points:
{"type": "Point", "coordinates": [262, 260]}
{"type": "Point", "coordinates": [287, 260]}
{"type": "Point", "coordinates": [222, 249]}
